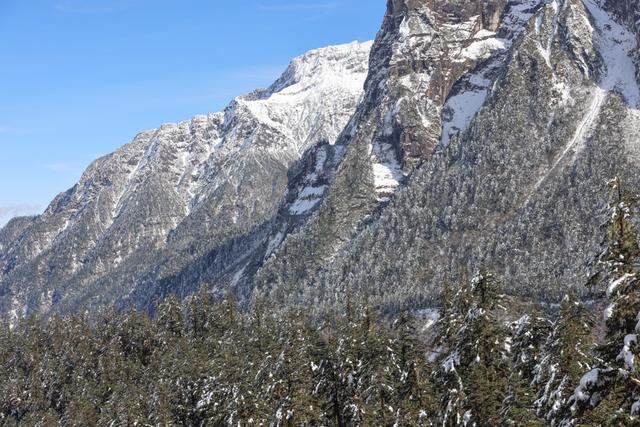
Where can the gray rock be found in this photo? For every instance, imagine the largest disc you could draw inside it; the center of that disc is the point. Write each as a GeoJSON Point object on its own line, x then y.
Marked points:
{"type": "Point", "coordinates": [520, 189]}
{"type": "Point", "coordinates": [155, 207]}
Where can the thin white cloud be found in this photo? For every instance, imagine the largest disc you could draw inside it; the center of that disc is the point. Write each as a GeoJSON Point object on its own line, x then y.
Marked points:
{"type": "Point", "coordinates": [91, 6]}
{"type": "Point", "coordinates": [297, 6]}
{"type": "Point", "coordinates": [22, 209]}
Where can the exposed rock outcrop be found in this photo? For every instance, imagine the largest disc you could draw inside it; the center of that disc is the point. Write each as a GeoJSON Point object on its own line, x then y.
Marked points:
{"type": "Point", "coordinates": [531, 135]}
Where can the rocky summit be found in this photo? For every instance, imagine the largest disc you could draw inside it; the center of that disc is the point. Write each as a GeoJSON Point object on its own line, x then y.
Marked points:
{"type": "Point", "coordinates": [161, 203]}
{"type": "Point", "coordinates": [470, 133]}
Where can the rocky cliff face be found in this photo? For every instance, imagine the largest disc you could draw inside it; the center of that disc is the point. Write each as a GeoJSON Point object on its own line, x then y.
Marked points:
{"type": "Point", "coordinates": [517, 187]}
{"type": "Point", "coordinates": [175, 193]}
{"type": "Point", "coordinates": [430, 72]}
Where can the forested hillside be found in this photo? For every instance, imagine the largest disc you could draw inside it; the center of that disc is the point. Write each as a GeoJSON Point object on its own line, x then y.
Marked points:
{"type": "Point", "coordinates": [486, 359]}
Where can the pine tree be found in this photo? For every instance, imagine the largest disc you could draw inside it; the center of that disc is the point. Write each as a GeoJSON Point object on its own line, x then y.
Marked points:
{"type": "Point", "coordinates": [327, 389]}
{"type": "Point", "coordinates": [473, 373]}
{"type": "Point", "coordinates": [565, 356]}
{"type": "Point", "coordinates": [284, 368]}
{"type": "Point", "coordinates": [199, 309]}
{"type": "Point", "coordinates": [455, 303]}
{"type": "Point", "coordinates": [527, 340]}
{"type": "Point", "coordinates": [414, 395]}
{"type": "Point", "coordinates": [303, 406]}
{"type": "Point", "coordinates": [609, 394]}
{"type": "Point", "coordinates": [235, 367]}
{"type": "Point", "coordinates": [376, 370]}
{"type": "Point", "coordinates": [170, 317]}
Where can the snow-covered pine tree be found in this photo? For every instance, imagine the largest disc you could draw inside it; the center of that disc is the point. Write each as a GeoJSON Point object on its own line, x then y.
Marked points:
{"type": "Point", "coordinates": [170, 318]}
{"type": "Point", "coordinates": [455, 302]}
{"type": "Point", "coordinates": [358, 356]}
{"type": "Point", "coordinates": [565, 356]}
{"type": "Point", "coordinates": [199, 307]}
{"type": "Point", "coordinates": [473, 374]}
{"type": "Point", "coordinates": [409, 374]}
{"type": "Point", "coordinates": [303, 407]}
{"type": "Point", "coordinates": [527, 339]}
{"type": "Point", "coordinates": [375, 371]}
{"type": "Point", "coordinates": [609, 394]}
{"type": "Point", "coordinates": [282, 380]}
{"type": "Point", "coordinates": [327, 391]}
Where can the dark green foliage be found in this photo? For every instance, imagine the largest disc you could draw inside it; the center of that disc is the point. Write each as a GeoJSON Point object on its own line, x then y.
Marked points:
{"type": "Point", "coordinates": [527, 339]}
{"type": "Point", "coordinates": [566, 355]}
{"type": "Point", "coordinates": [474, 369]}
{"type": "Point", "coordinates": [609, 394]}
{"type": "Point", "coordinates": [203, 363]}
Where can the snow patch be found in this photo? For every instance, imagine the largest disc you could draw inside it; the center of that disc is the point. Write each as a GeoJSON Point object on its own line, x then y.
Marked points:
{"type": "Point", "coordinates": [17, 312]}
{"type": "Point", "coordinates": [301, 206]}
{"type": "Point", "coordinates": [459, 110]}
{"type": "Point", "coordinates": [481, 49]}
{"type": "Point", "coordinates": [616, 283]}
{"type": "Point", "coordinates": [626, 354]}
{"type": "Point", "coordinates": [587, 381]}
{"type": "Point", "coordinates": [384, 177]}
{"type": "Point", "coordinates": [429, 317]}
{"type": "Point", "coordinates": [386, 170]}
{"type": "Point", "coordinates": [273, 244]}
{"type": "Point", "coordinates": [608, 312]}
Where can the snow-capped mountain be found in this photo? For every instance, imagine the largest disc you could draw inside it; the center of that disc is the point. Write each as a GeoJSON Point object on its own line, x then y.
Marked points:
{"type": "Point", "coordinates": [522, 111]}
{"type": "Point", "coordinates": [409, 228]}
{"type": "Point", "coordinates": [484, 135]}
{"type": "Point", "coordinates": [176, 192]}
{"type": "Point", "coordinates": [425, 52]}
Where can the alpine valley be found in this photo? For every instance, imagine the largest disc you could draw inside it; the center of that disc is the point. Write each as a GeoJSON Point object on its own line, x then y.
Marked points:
{"type": "Point", "coordinates": [463, 169]}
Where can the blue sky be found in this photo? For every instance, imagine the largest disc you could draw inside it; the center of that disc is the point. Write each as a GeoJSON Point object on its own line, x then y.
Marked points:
{"type": "Point", "coordinates": [79, 78]}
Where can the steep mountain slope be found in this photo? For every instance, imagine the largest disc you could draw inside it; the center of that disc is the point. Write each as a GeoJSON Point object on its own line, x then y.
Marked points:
{"type": "Point", "coordinates": [422, 50]}
{"type": "Point", "coordinates": [175, 193]}
{"type": "Point", "coordinates": [519, 190]}
{"type": "Point", "coordinates": [485, 136]}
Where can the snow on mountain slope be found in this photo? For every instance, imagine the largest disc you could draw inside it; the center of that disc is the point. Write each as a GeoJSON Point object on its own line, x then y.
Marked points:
{"type": "Point", "coordinates": [471, 91]}
{"type": "Point", "coordinates": [182, 188]}
{"type": "Point", "coordinates": [532, 133]}
{"type": "Point", "coordinates": [419, 59]}
{"type": "Point", "coordinates": [616, 45]}
{"type": "Point", "coordinates": [484, 138]}
{"type": "Point", "coordinates": [317, 83]}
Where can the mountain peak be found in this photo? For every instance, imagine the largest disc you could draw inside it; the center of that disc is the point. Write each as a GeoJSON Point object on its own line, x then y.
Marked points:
{"type": "Point", "coordinates": [216, 175]}
{"type": "Point", "coordinates": [318, 65]}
